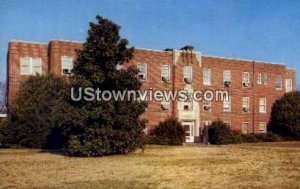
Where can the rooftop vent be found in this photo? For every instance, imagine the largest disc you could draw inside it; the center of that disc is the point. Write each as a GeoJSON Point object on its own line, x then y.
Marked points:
{"type": "Point", "coordinates": [187, 48]}
{"type": "Point", "coordinates": [168, 49]}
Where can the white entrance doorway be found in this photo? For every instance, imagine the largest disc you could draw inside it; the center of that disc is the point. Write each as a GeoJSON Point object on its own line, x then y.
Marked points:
{"type": "Point", "coordinates": [189, 131]}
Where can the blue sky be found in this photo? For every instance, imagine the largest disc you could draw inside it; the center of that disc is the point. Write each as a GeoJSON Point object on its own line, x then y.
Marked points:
{"type": "Point", "coordinates": [254, 29]}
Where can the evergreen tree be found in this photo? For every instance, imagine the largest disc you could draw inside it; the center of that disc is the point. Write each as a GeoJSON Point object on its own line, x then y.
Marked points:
{"type": "Point", "coordinates": [285, 116]}
{"type": "Point", "coordinates": [99, 128]}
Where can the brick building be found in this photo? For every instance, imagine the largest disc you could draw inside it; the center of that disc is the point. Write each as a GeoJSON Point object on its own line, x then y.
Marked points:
{"type": "Point", "coordinates": [253, 85]}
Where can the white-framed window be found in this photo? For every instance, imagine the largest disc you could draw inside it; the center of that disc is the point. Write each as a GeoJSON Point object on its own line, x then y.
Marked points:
{"type": "Point", "coordinates": [188, 104]}
{"type": "Point", "coordinates": [259, 78]}
{"type": "Point", "coordinates": [245, 79]}
{"type": "Point", "coordinates": [66, 65]}
{"type": "Point", "coordinates": [207, 106]}
{"type": "Point", "coordinates": [142, 74]}
{"type": "Point", "coordinates": [226, 76]}
{"type": "Point", "coordinates": [264, 78]}
{"type": "Point", "coordinates": [227, 104]}
{"type": "Point", "coordinates": [278, 81]}
{"type": "Point", "coordinates": [206, 76]}
{"type": "Point", "coordinates": [262, 127]}
{"type": "Point", "coordinates": [30, 66]}
{"type": "Point", "coordinates": [288, 85]}
{"type": "Point", "coordinates": [245, 127]}
{"type": "Point", "coordinates": [262, 105]}
{"type": "Point", "coordinates": [245, 104]}
{"type": "Point", "coordinates": [165, 73]}
{"type": "Point", "coordinates": [187, 73]}
{"type": "Point", "coordinates": [228, 123]}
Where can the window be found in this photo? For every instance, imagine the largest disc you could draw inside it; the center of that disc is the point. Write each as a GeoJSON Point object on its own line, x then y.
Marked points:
{"type": "Point", "coordinates": [262, 105]}
{"type": "Point", "coordinates": [227, 76]}
{"type": "Point", "coordinates": [165, 73]}
{"type": "Point", "coordinates": [262, 127]}
{"type": "Point", "coordinates": [227, 104]}
{"type": "Point", "coordinates": [187, 74]}
{"type": "Point", "coordinates": [30, 66]}
{"type": "Point", "coordinates": [278, 82]}
{"type": "Point", "coordinates": [264, 78]}
{"type": "Point", "coordinates": [259, 78]}
{"type": "Point", "coordinates": [25, 66]}
{"type": "Point", "coordinates": [142, 74]}
{"type": "Point", "coordinates": [245, 128]}
{"type": "Point", "coordinates": [66, 65]}
{"type": "Point", "coordinates": [245, 79]}
{"type": "Point", "coordinates": [165, 105]}
{"type": "Point", "coordinates": [245, 104]}
{"type": "Point", "coordinates": [228, 124]}
{"type": "Point", "coordinates": [206, 76]}
{"type": "Point", "coordinates": [188, 104]}
{"type": "Point", "coordinates": [207, 106]}
{"type": "Point", "coordinates": [288, 85]}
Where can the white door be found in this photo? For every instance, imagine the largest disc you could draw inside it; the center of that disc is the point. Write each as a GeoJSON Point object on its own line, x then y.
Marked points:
{"type": "Point", "coordinates": [189, 131]}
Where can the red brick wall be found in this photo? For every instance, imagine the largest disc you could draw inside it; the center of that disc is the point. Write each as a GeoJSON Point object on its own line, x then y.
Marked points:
{"type": "Point", "coordinates": [51, 63]}
{"type": "Point", "coordinates": [16, 50]}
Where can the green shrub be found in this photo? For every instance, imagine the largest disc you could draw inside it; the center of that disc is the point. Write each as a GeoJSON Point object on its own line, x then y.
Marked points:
{"type": "Point", "coordinates": [251, 138]}
{"type": "Point", "coordinates": [3, 135]}
{"type": "Point", "coordinates": [220, 133]}
{"type": "Point", "coordinates": [168, 132]}
{"type": "Point", "coordinates": [285, 116]}
{"type": "Point", "coordinates": [236, 137]}
{"type": "Point", "coordinates": [36, 112]}
{"type": "Point", "coordinates": [263, 137]}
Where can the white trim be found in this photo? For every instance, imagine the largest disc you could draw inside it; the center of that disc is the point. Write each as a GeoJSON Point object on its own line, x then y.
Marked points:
{"type": "Point", "coordinates": [68, 41]}
{"type": "Point", "coordinates": [30, 42]}
{"type": "Point", "coordinates": [246, 60]}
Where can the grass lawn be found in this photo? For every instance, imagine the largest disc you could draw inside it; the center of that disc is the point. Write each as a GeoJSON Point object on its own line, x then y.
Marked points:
{"type": "Point", "coordinates": [261, 165]}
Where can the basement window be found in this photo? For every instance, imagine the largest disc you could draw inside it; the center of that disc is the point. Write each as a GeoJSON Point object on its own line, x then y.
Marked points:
{"type": "Point", "coordinates": [262, 127]}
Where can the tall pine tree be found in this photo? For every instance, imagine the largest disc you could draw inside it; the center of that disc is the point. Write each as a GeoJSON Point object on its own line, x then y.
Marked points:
{"type": "Point", "coordinates": [98, 128]}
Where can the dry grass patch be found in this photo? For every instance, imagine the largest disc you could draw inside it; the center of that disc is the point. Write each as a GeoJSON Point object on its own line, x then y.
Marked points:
{"type": "Point", "coordinates": [261, 165]}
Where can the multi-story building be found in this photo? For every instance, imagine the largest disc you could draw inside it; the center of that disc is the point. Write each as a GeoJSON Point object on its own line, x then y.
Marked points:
{"type": "Point", "coordinates": [253, 86]}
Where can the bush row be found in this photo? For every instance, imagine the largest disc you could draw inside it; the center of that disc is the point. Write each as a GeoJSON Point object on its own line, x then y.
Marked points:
{"type": "Point", "coordinates": [220, 133]}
